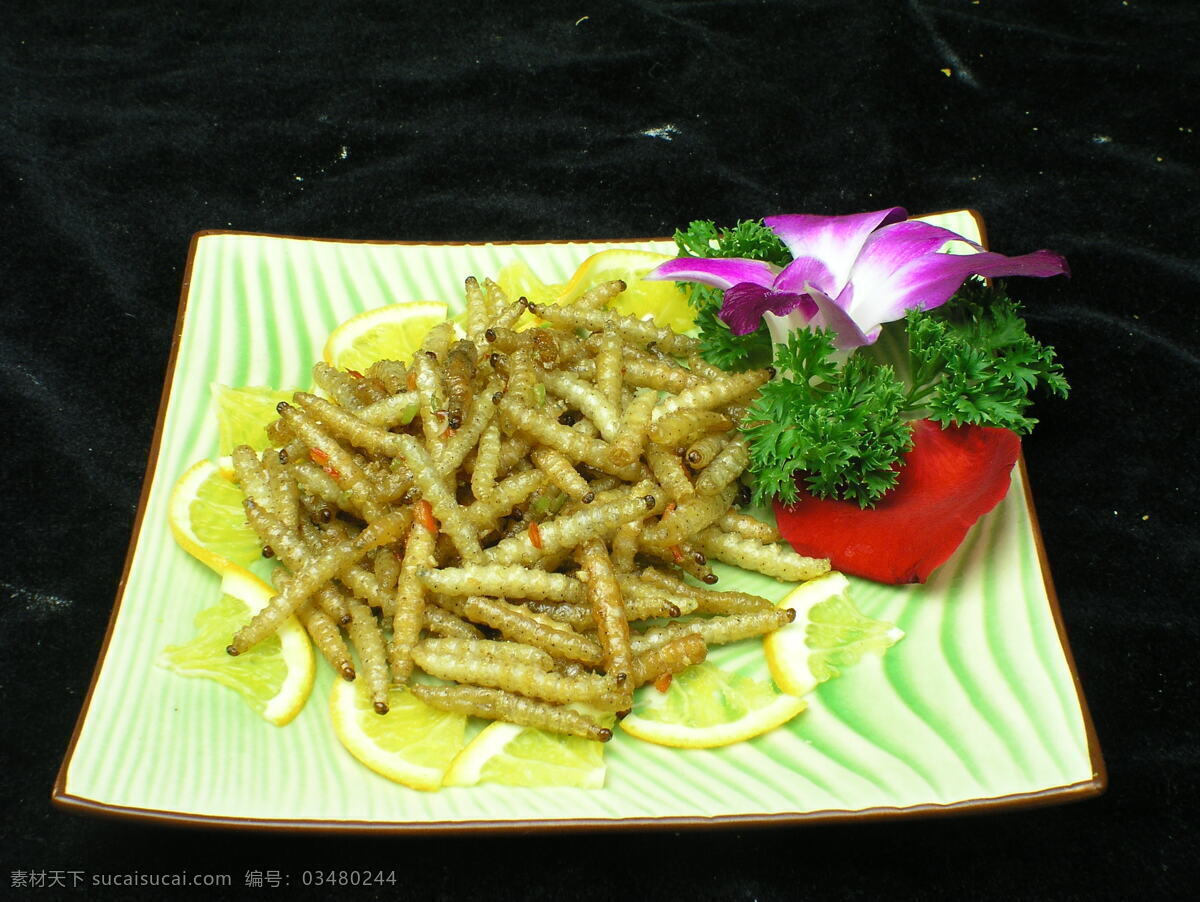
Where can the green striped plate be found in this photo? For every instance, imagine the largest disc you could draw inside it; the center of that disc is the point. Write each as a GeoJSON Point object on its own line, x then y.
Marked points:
{"type": "Point", "coordinates": [978, 705]}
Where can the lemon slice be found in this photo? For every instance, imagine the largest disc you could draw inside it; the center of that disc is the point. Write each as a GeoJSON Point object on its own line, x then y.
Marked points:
{"type": "Point", "coordinates": [243, 415]}
{"type": "Point", "coordinates": [519, 281]}
{"type": "Point", "coordinates": [513, 755]}
{"type": "Point", "coordinates": [412, 744]}
{"type": "Point", "coordinates": [706, 707]}
{"type": "Point", "coordinates": [394, 332]}
{"type": "Point", "coordinates": [275, 676]}
{"type": "Point", "coordinates": [207, 518]}
{"type": "Point", "coordinates": [828, 634]}
{"type": "Point", "coordinates": [660, 301]}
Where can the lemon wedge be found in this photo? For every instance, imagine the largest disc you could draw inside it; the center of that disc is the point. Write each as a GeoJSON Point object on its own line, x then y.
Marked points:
{"type": "Point", "coordinates": [513, 755]}
{"type": "Point", "coordinates": [207, 519]}
{"type": "Point", "coordinates": [243, 415]}
{"type": "Point", "coordinates": [413, 744]}
{"type": "Point", "coordinates": [706, 707]}
{"type": "Point", "coordinates": [660, 301]}
{"type": "Point", "coordinates": [275, 676]}
{"type": "Point", "coordinates": [394, 332]}
{"type": "Point", "coordinates": [828, 634]}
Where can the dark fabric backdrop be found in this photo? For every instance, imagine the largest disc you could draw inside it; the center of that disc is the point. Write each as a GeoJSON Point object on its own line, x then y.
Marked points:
{"type": "Point", "coordinates": [126, 127]}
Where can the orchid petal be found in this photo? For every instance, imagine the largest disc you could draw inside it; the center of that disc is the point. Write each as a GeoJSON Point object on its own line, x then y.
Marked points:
{"type": "Point", "coordinates": [720, 272]}
{"type": "Point", "coordinates": [745, 303]}
{"type": "Point", "coordinates": [825, 247]}
{"type": "Point", "coordinates": [831, 316]}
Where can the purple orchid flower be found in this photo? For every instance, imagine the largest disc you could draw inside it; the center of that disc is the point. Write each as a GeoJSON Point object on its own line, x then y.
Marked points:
{"type": "Point", "coordinates": [850, 274]}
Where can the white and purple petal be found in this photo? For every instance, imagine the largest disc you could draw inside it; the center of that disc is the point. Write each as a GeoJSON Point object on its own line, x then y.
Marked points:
{"type": "Point", "coordinates": [824, 248]}
{"type": "Point", "coordinates": [745, 303]}
{"type": "Point", "coordinates": [719, 272]}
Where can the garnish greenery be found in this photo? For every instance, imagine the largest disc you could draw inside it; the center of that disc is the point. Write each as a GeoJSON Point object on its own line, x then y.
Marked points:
{"type": "Point", "coordinates": [841, 424]}
{"type": "Point", "coordinates": [749, 239]}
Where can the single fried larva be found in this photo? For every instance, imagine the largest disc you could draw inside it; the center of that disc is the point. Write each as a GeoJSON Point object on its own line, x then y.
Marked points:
{"type": "Point", "coordinates": [630, 328]}
{"type": "Point", "coordinates": [714, 392]}
{"type": "Point", "coordinates": [599, 296]}
{"type": "Point", "coordinates": [314, 481]}
{"type": "Point", "coordinates": [478, 314]}
{"type": "Point", "coordinates": [562, 473]}
{"type": "Point", "coordinates": [455, 450]}
{"type": "Point", "coordinates": [364, 633]}
{"type": "Point", "coordinates": [294, 553]}
{"type": "Point", "coordinates": [445, 507]}
{"type": "Point", "coordinates": [392, 375]}
{"type": "Point", "coordinates": [386, 566]}
{"type": "Point", "coordinates": [505, 496]}
{"type": "Point", "coordinates": [437, 341]}
{"type": "Point", "coordinates": [503, 580]}
{"type": "Point", "coordinates": [689, 517]}
{"type": "Point", "coordinates": [520, 625]}
{"type": "Point", "coordinates": [686, 425]}
{"type": "Point", "coordinates": [725, 468]}
{"type": "Point", "coordinates": [685, 557]}
{"type": "Point", "coordinates": [609, 380]}
{"type": "Point", "coordinates": [673, 656]}
{"type": "Point", "coordinates": [496, 704]}
{"type": "Point", "coordinates": [487, 462]}
{"type": "Point", "coordinates": [251, 475]}
{"type": "Point", "coordinates": [509, 313]}
{"type": "Point", "coordinates": [524, 679]}
{"type": "Point", "coordinates": [495, 649]}
{"type": "Point", "coordinates": [744, 525]}
{"type": "Point", "coordinates": [427, 383]}
{"type": "Point", "coordinates": [772, 560]}
{"type": "Point", "coordinates": [408, 615]}
{"type": "Point", "coordinates": [282, 490]}
{"type": "Point", "coordinates": [496, 300]}
{"type": "Point", "coordinates": [587, 399]}
{"type": "Point", "coordinates": [608, 608]}
{"type": "Point", "coordinates": [458, 375]}
{"type": "Point", "coordinates": [669, 472]}
{"type": "Point", "coordinates": [568, 530]}
{"type": "Point", "coordinates": [625, 545]}
{"type": "Point", "coordinates": [718, 630]}
{"type": "Point", "coordinates": [640, 606]}
{"type": "Point", "coordinates": [542, 429]}
{"type": "Point", "coordinates": [701, 452]}
{"type": "Point", "coordinates": [392, 411]}
{"type": "Point", "coordinates": [440, 622]}
{"type": "Point", "coordinates": [630, 439]}
{"type": "Point", "coordinates": [326, 636]}
{"type": "Point", "coordinates": [707, 601]}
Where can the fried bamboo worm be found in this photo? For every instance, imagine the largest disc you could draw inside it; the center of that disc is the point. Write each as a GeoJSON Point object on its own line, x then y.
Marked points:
{"type": "Point", "coordinates": [609, 380]}
{"type": "Point", "coordinates": [625, 545]}
{"type": "Point", "coordinates": [672, 657]}
{"type": "Point", "coordinates": [440, 622]}
{"type": "Point", "coordinates": [772, 560]}
{"type": "Point", "coordinates": [608, 609]}
{"type": "Point", "coordinates": [437, 341]}
{"type": "Point", "coordinates": [725, 468]}
{"type": "Point", "coordinates": [748, 527]}
{"type": "Point", "coordinates": [630, 328]}
{"type": "Point", "coordinates": [587, 399]}
{"type": "Point", "coordinates": [509, 313]}
{"type": "Point", "coordinates": [328, 639]}
{"type": "Point", "coordinates": [562, 474]}
{"type": "Point", "coordinates": [364, 633]}
{"type": "Point", "coordinates": [599, 296]}
{"type": "Point", "coordinates": [520, 626]}
{"type": "Point", "coordinates": [669, 472]}
{"type": "Point", "coordinates": [428, 385]}
{"type": "Point", "coordinates": [408, 616]}
{"type": "Point", "coordinates": [305, 582]}
{"type": "Point", "coordinates": [478, 314]}
{"type": "Point", "coordinates": [294, 553]}
{"type": "Point", "coordinates": [386, 567]}
{"type": "Point", "coordinates": [686, 425]}
{"type": "Point", "coordinates": [394, 410]}
{"type": "Point", "coordinates": [505, 581]}
{"type": "Point", "coordinates": [504, 496]}
{"type": "Point", "coordinates": [524, 679]}
{"type": "Point", "coordinates": [540, 344]}
{"type": "Point", "coordinates": [567, 531]}
{"type": "Point", "coordinates": [487, 463]}
{"type": "Point", "coordinates": [458, 375]}
{"type": "Point", "coordinates": [701, 452]}
{"type": "Point", "coordinates": [627, 446]}
{"type": "Point", "coordinates": [445, 507]}
{"type": "Point", "coordinates": [641, 606]}
{"type": "Point", "coordinates": [251, 475]}
{"type": "Point", "coordinates": [689, 517]}
{"type": "Point", "coordinates": [328, 454]}
{"type": "Point", "coordinates": [348, 389]}
{"type": "Point", "coordinates": [392, 375]}
{"type": "Point", "coordinates": [720, 630]}
{"type": "Point", "coordinates": [708, 601]}
{"type": "Point", "coordinates": [713, 393]}
{"type": "Point", "coordinates": [532, 423]}
{"type": "Point", "coordinates": [685, 557]}
{"type": "Point", "coordinates": [492, 649]}
{"type": "Point", "coordinates": [496, 704]}
{"type": "Point", "coordinates": [467, 435]}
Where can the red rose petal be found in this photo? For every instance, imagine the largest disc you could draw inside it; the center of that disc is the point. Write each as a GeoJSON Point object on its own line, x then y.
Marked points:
{"type": "Point", "coordinates": [951, 478]}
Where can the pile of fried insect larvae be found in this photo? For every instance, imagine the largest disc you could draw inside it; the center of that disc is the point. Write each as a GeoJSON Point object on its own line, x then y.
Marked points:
{"type": "Point", "coordinates": [513, 513]}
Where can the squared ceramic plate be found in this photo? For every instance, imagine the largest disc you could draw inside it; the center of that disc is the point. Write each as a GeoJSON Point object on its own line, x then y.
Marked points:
{"type": "Point", "coordinates": [978, 706]}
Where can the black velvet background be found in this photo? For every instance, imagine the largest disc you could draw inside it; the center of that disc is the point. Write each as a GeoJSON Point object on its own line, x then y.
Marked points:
{"type": "Point", "coordinates": [126, 127]}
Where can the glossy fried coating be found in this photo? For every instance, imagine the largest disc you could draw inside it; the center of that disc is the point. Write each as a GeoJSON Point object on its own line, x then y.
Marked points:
{"type": "Point", "coordinates": [772, 560]}
{"type": "Point", "coordinates": [496, 704]}
{"type": "Point", "coordinates": [608, 609]}
{"type": "Point", "coordinates": [503, 580]}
